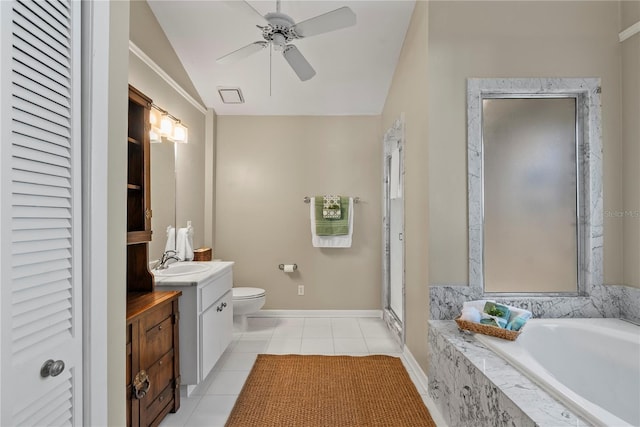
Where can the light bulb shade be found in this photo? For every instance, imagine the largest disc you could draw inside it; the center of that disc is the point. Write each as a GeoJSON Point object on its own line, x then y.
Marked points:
{"type": "Point", "coordinates": [166, 126]}
{"type": "Point", "coordinates": [154, 136]}
{"type": "Point", "coordinates": [154, 117]}
{"type": "Point", "coordinates": [180, 133]}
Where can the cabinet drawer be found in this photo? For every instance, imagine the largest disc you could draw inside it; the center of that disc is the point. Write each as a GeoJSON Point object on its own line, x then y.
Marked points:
{"type": "Point", "coordinates": [160, 377]}
{"type": "Point", "coordinates": [211, 292]}
{"type": "Point", "coordinates": [156, 342]}
{"type": "Point", "coordinates": [159, 404]}
{"type": "Point", "coordinates": [156, 316]}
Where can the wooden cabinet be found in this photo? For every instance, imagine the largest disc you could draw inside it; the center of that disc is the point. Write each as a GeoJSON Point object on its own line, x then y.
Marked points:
{"type": "Point", "coordinates": [153, 357]}
{"type": "Point", "coordinates": [153, 347]}
{"type": "Point", "coordinates": [139, 278]}
{"type": "Point", "coordinates": [206, 326]}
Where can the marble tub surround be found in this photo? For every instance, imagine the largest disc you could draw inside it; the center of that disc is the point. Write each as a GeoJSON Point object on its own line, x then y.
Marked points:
{"type": "Point", "coordinates": [587, 90]}
{"type": "Point", "coordinates": [605, 301]}
{"type": "Point", "coordinates": [472, 386]}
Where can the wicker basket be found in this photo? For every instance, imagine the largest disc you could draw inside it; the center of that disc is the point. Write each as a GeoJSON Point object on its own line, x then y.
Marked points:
{"type": "Point", "coordinates": [494, 331]}
{"type": "Point", "coordinates": [202, 254]}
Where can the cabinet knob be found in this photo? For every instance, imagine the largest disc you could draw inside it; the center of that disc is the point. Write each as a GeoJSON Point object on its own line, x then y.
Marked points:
{"type": "Point", "coordinates": [224, 304]}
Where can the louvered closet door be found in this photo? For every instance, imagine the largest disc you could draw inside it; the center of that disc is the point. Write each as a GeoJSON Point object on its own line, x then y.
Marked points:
{"type": "Point", "coordinates": [41, 213]}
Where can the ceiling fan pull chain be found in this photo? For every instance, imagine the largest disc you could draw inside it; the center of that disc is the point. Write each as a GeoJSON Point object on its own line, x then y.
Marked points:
{"type": "Point", "coordinates": [270, 52]}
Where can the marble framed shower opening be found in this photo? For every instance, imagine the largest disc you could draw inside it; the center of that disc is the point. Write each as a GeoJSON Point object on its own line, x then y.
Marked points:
{"type": "Point", "coordinates": [589, 223]}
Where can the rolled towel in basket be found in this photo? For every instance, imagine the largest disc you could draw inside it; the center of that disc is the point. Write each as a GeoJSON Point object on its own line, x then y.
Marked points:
{"type": "Point", "coordinates": [518, 318]}
{"type": "Point", "coordinates": [471, 314]}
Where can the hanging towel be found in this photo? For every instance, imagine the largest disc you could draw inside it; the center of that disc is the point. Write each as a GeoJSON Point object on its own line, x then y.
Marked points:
{"type": "Point", "coordinates": [171, 239]}
{"type": "Point", "coordinates": [184, 244]}
{"type": "Point", "coordinates": [340, 241]}
{"type": "Point", "coordinates": [331, 207]}
{"type": "Point", "coordinates": [332, 227]}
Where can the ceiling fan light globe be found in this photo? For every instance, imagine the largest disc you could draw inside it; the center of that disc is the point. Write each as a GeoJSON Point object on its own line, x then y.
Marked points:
{"type": "Point", "coordinates": [278, 41]}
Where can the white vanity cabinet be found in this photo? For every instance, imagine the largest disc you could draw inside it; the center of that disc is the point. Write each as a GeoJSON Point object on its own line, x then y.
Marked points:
{"type": "Point", "coordinates": [206, 319]}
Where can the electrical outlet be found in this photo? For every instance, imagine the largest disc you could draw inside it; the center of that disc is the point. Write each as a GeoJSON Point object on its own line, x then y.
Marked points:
{"type": "Point", "coordinates": [300, 289]}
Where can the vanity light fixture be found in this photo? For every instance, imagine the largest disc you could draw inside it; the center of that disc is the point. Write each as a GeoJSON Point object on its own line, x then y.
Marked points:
{"type": "Point", "coordinates": [166, 127]}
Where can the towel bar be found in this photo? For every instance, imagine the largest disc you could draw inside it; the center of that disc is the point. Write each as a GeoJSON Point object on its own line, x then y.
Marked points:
{"type": "Point", "coordinates": [307, 199]}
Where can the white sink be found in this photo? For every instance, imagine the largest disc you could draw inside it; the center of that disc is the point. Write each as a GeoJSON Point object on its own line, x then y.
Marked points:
{"type": "Point", "coordinates": [181, 268]}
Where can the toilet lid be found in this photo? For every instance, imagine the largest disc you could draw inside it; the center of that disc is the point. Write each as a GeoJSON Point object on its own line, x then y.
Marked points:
{"type": "Point", "coordinates": [247, 293]}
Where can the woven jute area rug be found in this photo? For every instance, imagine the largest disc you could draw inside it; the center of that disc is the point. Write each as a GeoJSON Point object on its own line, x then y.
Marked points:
{"type": "Point", "coordinates": [316, 391]}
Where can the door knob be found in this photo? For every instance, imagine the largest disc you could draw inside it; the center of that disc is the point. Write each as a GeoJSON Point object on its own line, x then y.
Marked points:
{"type": "Point", "coordinates": [52, 368]}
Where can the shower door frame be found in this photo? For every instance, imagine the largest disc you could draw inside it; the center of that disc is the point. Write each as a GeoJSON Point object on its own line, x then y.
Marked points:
{"type": "Point", "coordinates": [394, 138]}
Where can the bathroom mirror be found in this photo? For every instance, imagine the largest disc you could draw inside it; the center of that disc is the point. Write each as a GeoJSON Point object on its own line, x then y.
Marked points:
{"type": "Point", "coordinates": [535, 185]}
{"type": "Point", "coordinates": [163, 194]}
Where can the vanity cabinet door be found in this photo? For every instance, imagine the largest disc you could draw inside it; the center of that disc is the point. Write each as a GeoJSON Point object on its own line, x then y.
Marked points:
{"type": "Point", "coordinates": [216, 325]}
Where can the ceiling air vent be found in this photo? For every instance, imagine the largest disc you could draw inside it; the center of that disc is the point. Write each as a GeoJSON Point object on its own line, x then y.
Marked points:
{"type": "Point", "coordinates": [231, 95]}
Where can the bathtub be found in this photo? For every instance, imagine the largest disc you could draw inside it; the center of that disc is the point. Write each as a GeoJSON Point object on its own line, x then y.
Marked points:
{"type": "Point", "coordinates": [591, 365]}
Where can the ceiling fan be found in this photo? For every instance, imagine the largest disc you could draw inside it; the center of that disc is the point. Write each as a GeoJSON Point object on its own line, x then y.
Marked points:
{"type": "Point", "coordinates": [280, 29]}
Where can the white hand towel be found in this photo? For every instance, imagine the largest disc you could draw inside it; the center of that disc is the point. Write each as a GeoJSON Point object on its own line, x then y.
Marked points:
{"type": "Point", "coordinates": [342, 241]}
{"type": "Point", "coordinates": [188, 244]}
{"type": "Point", "coordinates": [171, 239]}
{"type": "Point", "coordinates": [181, 237]}
{"type": "Point", "coordinates": [184, 243]}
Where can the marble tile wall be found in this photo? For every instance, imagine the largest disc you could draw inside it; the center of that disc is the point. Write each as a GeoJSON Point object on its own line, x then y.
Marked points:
{"type": "Point", "coordinates": [605, 301]}
{"type": "Point", "coordinates": [474, 387]}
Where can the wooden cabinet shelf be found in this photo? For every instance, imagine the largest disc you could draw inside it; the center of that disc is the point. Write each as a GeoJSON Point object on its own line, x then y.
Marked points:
{"type": "Point", "coordinates": [139, 278]}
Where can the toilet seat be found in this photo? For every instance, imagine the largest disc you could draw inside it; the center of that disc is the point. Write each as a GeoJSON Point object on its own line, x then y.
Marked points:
{"type": "Point", "coordinates": [243, 293]}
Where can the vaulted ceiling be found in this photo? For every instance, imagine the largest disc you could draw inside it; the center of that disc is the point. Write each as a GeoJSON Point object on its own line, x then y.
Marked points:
{"type": "Point", "coordinates": [354, 66]}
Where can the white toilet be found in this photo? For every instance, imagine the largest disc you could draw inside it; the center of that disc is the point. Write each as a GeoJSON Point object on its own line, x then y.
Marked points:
{"type": "Point", "coordinates": [246, 301]}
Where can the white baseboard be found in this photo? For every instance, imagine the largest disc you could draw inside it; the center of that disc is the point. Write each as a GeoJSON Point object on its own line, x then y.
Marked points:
{"type": "Point", "coordinates": [416, 368]}
{"type": "Point", "coordinates": [317, 313]}
{"type": "Point", "coordinates": [421, 377]}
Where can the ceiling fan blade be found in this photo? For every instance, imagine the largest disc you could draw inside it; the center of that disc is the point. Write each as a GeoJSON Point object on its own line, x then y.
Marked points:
{"type": "Point", "coordinates": [330, 21]}
{"type": "Point", "coordinates": [241, 53]}
{"type": "Point", "coordinates": [300, 65]}
{"type": "Point", "coordinates": [246, 9]}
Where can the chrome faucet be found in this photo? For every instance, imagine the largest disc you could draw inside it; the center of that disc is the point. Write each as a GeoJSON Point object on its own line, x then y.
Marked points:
{"type": "Point", "coordinates": [166, 256]}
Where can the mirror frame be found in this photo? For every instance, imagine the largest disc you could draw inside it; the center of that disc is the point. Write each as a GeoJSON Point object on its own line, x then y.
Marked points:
{"type": "Point", "coordinates": [587, 92]}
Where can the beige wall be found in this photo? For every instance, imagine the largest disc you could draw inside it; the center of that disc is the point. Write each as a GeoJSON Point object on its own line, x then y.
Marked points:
{"type": "Point", "coordinates": [117, 213]}
{"type": "Point", "coordinates": [147, 34]}
{"type": "Point", "coordinates": [265, 166]}
{"type": "Point", "coordinates": [630, 14]}
{"type": "Point", "coordinates": [512, 39]}
{"type": "Point", "coordinates": [408, 94]}
{"type": "Point", "coordinates": [190, 161]}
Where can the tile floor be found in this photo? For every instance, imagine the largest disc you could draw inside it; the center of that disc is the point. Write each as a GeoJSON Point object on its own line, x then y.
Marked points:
{"type": "Point", "coordinates": [212, 401]}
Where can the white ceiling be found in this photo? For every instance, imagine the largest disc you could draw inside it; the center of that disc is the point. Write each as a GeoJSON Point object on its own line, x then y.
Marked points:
{"type": "Point", "coordinates": [354, 65]}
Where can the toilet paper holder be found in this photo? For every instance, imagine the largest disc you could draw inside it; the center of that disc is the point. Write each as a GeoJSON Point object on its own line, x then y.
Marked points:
{"type": "Point", "coordinates": [281, 267]}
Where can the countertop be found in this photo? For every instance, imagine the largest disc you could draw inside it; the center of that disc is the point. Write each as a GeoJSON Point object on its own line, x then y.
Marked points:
{"type": "Point", "coordinates": [218, 268]}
